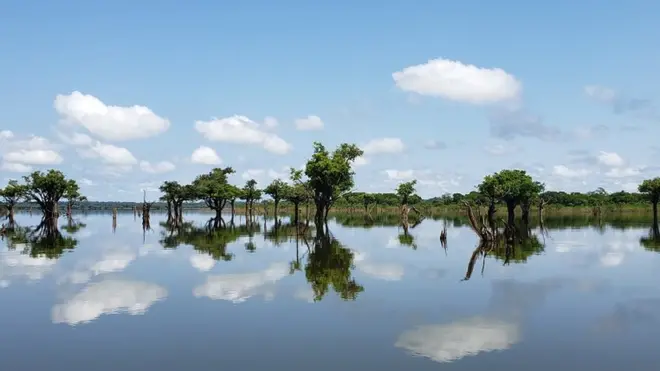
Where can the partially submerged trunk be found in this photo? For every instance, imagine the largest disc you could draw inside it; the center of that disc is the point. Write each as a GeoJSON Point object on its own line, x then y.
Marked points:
{"type": "Point", "coordinates": [511, 213]}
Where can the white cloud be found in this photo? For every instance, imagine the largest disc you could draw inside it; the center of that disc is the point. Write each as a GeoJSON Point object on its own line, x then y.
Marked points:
{"type": "Point", "coordinates": [611, 159]}
{"type": "Point", "coordinates": [6, 134]}
{"type": "Point", "coordinates": [383, 146]}
{"type": "Point", "coordinates": [566, 172]}
{"type": "Point", "coordinates": [206, 156]}
{"type": "Point", "coordinates": [457, 81]}
{"type": "Point", "coordinates": [309, 123]}
{"type": "Point", "coordinates": [623, 172]}
{"type": "Point", "coordinates": [241, 130]}
{"type": "Point", "coordinates": [109, 122]}
{"type": "Point", "coordinates": [239, 287]}
{"type": "Point", "coordinates": [109, 154]}
{"type": "Point", "coordinates": [202, 262]}
{"type": "Point", "coordinates": [34, 157]}
{"type": "Point", "coordinates": [157, 168]}
{"type": "Point", "coordinates": [400, 174]}
{"type": "Point", "coordinates": [15, 168]}
{"type": "Point", "coordinates": [270, 122]}
{"type": "Point", "coordinates": [451, 342]}
{"type": "Point", "coordinates": [108, 297]}
{"type": "Point", "coordinates": [252, 173]}
{"type": "Point", "coordinates": [361, 161]}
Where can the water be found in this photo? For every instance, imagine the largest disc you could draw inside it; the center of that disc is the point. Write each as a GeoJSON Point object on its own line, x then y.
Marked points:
{"type": "Point", "coordinates": [586, 298]}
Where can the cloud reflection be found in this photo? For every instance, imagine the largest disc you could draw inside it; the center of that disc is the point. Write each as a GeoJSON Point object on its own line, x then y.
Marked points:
{"type": "Point", "coordinates": [112, 296]}
{"type": "Point", "coordinates": [453, 341]}
{"type": "Point", "coordinates": [13, 263]}
{"type": "Point", "coordinates": [239, 287]}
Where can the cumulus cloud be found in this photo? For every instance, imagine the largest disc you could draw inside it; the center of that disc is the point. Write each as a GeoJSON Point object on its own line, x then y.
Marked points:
{"type": "Point", "coordinates": [456, 81]}
{"type": "Point", "coordinates": [566, 172]}
{"type": "Point", "coordinates": [109, 154]}
{"type": "Point", "coordinates": [33, 157]}
{"type": "Point", "coordinates": [20, 154]}
{"type": "Point", "coordinates": [383, 146]}
{"type": "Point", "coordinates": [157, 168]}
{"type": "Point", "coordinates": [393, 174]}
{"type": "Point", "coordinates": [241, 130]}
{"type": "Point", "coordinates": [206, 156]}
{"type": "Point", "coordinates": [309, 123]}
{"type": "Point", "coordinates": [112, 296]}
{"type": "Point", "coordinates": [453, 341]}
{"type": "Point", "coordinates": [239, 287]}
{"type": "Point", "coordinates": [270, 122]}
{"type": "Point", "coordinates": [109, 122]}
{"type": "Point", "coordinates": [361, 161]}
{"type": "Point", "coordinates": [610, 159]}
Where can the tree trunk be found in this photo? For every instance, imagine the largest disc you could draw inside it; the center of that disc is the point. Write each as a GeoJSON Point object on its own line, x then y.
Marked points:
{"type": "Point", "coordinates": [525, 206]}
{"type": "Point", "coordinates": [233, 210]}
{"type": "Point", "coordinates": [295, 213]}
{"type": "Point", "coordinates": [10, 216]}
{"type": "Point", "coordinates": [511, 213]}
{"type": "Point", "coordinates": [218, 214]}
{"type": "Point", "coordinates": [491, 214]}
{"type": "Point", "coordinates": [655, 213]}
{"type": "Point", "coordinates": [277, 202]}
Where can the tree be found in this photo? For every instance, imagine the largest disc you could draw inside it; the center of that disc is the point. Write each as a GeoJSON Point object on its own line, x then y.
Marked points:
{"type": "Point", "coordinates": [11, 195]}
{"type": "Point", "coordinates": [276, 190]}
{"type": "Point", "coordinates": [168, 188]}
{"type": "Point", "coordinates": [510, 186]}
{"type": "Point", "coordinates": [213, 189]}
{"type": "Point", "coordinates": [330, 175]}
{"type": "Point", "coordinates": [405, 190]}
{"type": "Point", "coordinates": [46, 189]}
{"type": "Point", "coordinates": [72, 195]}
{"type": "Point", "coordinates": [250, 193]}
{"type": "Point", "coordinates": [529, 192]}
{"type": "Point", "coordinates": [651, 187]}
{"type": "Point", "coordinates": [297, 193]}
{"type": "Point", "coordinates": [491, 190]}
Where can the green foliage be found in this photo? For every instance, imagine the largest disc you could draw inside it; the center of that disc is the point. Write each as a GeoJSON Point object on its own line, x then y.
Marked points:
{"type": "Point", "coordinates": [405, 190]}
{"type": "Point", "coordinates": [41, 241]}
{"type": "Point", "coordinates": [329, 265]}
{"type": "Point", "coordinates": [276, 190]}
{"type": "Point", "coordinates": [651, 188]}
{"type": "Point", "coordinates": [46, 189]}
{"type": "Point", "coordinates": [213, 188]}
{"type": "Point", "coordinates": [250, 192]}
{"type": "Point", "coordinates": [13, 193]}
{"type": "Point", "coordinates": [330, 174]}
{"type": "Point", "coordinates": [299, 191]}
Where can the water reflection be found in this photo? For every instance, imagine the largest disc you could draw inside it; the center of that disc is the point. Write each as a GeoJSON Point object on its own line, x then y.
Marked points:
{"type": "Point", "coordinates": [559, 286]}
{"type": "Point", "coordinates": [110, 296]}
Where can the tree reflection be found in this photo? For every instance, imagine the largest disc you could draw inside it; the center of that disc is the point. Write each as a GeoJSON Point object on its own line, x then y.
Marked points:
{"type": "Point", "coordinates": [329, 264]}
{"type": "Point", "coordinates": [652, 241]}
{"type": "Point", "coordinates": [212, 239]}
{"type": "Point", "coordinates": [44, 240]}
{"type": "Point", "coordinates": [367, 221]}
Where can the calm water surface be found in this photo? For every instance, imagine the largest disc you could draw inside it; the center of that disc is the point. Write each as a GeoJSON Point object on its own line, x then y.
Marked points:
{"type": "Point", "coordinates": [582, 297]}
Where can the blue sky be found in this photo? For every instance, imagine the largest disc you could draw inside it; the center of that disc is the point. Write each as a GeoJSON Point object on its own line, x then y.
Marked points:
{"type": "Point", "coordinates": [565, 90]}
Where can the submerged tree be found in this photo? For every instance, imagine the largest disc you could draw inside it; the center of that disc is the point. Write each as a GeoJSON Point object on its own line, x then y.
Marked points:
{"type": "Point", "coordinates": [651, 187]}
{"type": "Point", "coordinates": [404, 191]}
{"type": "Point", "coordinates": [511, 187]}
{"type": "Point", "coordinates": [214, 189]}
{"type": "Point", "coordinates": [72, 195]}
{"type": "Point", "coordinates": [12, 194]}
{"type": "Point", "coordinates": [43, 240]}
{"type": "Point", "coordinates": [250, 193]}
{"type": "Point", "coordinates": [276, 190]}
{"type": "Point", "coordinates": [330, 175]}
{"type": "Point", "coordinates": [297, 193]}
{"type": "Point", "coordinates": [46, 189]}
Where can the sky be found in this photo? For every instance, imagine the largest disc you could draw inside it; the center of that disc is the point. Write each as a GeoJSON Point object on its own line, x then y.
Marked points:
{"type": "Point", "coordinates": [123, 95]}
